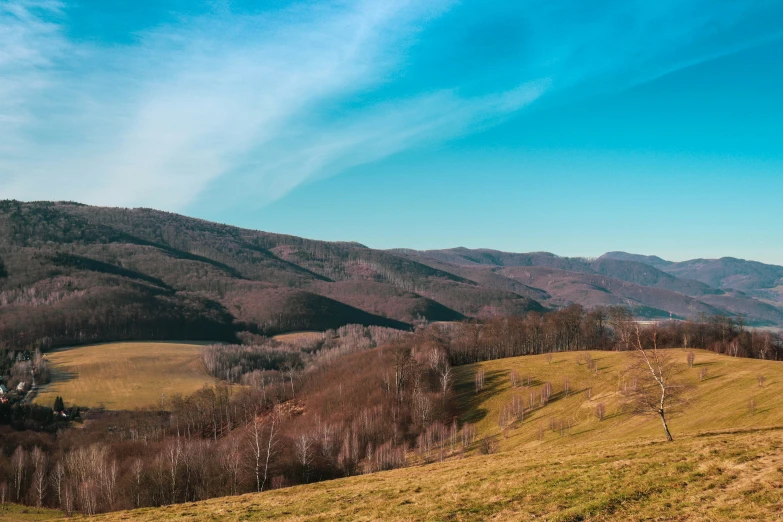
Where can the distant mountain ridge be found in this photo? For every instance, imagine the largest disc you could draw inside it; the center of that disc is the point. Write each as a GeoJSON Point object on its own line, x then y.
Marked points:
{"type": "Point", "coordinates": [71, 273]}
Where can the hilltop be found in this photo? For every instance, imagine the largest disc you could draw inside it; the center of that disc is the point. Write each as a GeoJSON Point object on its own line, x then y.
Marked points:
{"type": "Point", "coordinates": [74, 274]}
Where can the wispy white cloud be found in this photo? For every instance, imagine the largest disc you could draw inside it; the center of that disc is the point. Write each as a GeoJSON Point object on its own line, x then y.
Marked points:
{"type": "Point", "coordinates": [252, 105]}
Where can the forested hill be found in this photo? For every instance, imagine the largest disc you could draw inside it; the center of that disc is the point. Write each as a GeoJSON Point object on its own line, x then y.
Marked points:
{"type": "Point", "coordinates": [76, 274]}
{"type": "Point", "coordinates": [71, 273]}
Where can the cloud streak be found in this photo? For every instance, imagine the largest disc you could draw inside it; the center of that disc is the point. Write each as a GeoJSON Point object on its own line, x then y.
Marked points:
{"type": "Point", "coordinates": [239, 106]}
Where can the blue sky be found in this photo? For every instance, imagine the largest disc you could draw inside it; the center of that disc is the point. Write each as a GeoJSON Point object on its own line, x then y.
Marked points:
{"type": "Point", "coordinates": [559, 125]}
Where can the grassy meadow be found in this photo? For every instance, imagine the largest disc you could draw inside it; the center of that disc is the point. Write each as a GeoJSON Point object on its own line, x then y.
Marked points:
{"type": "Point", "coordinates": [17, 513]}
{"type": "Point", "coordinates": [123, 376]}
{"type": "Point", "coordinates": [726, 462]}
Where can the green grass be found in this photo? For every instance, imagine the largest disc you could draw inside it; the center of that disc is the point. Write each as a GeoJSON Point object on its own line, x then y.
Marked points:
{"type": "Point", "coordinates": [15, 512]}
{"type": "Point", "coordinates": [725, 463]}
{"type": "Point", "coordinates": [123, 375]}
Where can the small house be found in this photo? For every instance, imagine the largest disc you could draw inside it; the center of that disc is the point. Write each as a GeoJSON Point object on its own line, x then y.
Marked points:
{"type": "Point", "coordinates": [20, 387]}
{"type": "Point", "coordinates": [3, 389]}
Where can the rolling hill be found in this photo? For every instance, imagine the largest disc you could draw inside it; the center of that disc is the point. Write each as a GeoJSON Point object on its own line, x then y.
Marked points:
{"type": "Point", "coordinates": [563, 462]}
{"type": "Point", "coordinates": [648, 284]}
{"type": "Point", "coordinates": [75, 274]}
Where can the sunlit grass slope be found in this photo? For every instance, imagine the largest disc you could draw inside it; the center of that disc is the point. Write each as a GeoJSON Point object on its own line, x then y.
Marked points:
{"type": "Point", "coordinates": [718, 401]}
{"type": "Point", "coordinates": [124, 375]}
{"type": "Point", "coordinates": [718, 477]}
{"type": "Point", "coordinates": [726, 462]}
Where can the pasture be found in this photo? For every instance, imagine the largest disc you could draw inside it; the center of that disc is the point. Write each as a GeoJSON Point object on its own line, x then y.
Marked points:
{"type": "Point", "coordinates": [122, 376]}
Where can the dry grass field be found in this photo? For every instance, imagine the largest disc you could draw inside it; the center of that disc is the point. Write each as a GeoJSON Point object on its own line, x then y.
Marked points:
{"type": "Point", "coordinates": [17, 513]}
{"type": "Point", "coordinates": [718, 401]}
{"type": "Point", "coordinates": [123, 376]}
{"type": "Point", "coordinates": [726, 462]}
{"type": "Point", "coordinates": [295, 337]}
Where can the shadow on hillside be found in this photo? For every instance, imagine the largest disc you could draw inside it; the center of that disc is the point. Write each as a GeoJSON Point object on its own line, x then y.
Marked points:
{"type": "Point", "coordinates": [472, 401]}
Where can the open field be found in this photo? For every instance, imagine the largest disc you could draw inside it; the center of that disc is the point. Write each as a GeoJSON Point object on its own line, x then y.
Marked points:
{"type": "Point", "coordinates": [15, 512]}
{"type": "Point", "coordinates": [123, 375]}
{"type": "Point", "coordinates": [726, 462]}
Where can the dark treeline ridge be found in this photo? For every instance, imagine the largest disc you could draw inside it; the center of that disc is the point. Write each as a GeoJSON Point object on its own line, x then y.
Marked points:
{"type": "Point", "coordinates": [353, 400]}
{"type": "Point", "coordinates": [574, 328]}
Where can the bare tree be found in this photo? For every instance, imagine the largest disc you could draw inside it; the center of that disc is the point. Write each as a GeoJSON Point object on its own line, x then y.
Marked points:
{"type": "Point", "coordinates": [691, 358]}
{"type": "Point", "coordinates": [546, 393]}
{"type": "Point", "coordinates": [600, 411]}
{"type": "Point", "coordinates": [656, 390]}
{"type": "Point", "coordinates": [173, 455]}
{"type": "Point", "coordinates": [479, 380]}
{"type": "Point", "coordinates": [760, 378]}
{"type": "Point", "coordinates": [232, 463]}
{"type": "Point", "coordinates": [3, 494]}
{"type": "Point", "coordinates": [304, 454]}
{"type": "Point", "coordinates": [439, 362]}
{"type": "Point", "coordinates": [39, 461]}
{"type": "Point", "coordinates": [263, 442]}
{"type": "Point", "coordinates": [57, 480]}
{"type": "Point", "coordinates": [19, 470]}
{"type": "Point", "coordinates": [702, 374]}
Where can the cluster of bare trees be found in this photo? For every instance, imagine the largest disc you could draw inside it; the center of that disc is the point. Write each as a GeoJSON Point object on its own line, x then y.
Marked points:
{"type": "Point", "coordinates": [374, 409]}
{"type": "Point", "coordinates": [575, 328]}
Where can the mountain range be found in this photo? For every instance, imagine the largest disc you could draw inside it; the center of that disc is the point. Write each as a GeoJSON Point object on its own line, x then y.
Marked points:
{"type": "Point", "coordinates": [71, 273]}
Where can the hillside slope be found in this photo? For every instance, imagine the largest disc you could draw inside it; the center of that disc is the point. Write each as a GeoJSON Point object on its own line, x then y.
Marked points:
{"type": "Point", "coordinates": [561, 462]}
{"type": "Point", "coordinates": [75, 274]}
{"type": "Point", "coordinates": [751, 277]}
{"type": "Point", "coordinates": [655, 287]}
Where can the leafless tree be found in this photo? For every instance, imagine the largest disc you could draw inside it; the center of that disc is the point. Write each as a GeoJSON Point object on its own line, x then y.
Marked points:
{"type": "Point", "coordinates": [68, 499]}
{"type": "Point", "coordinates": [479, 380]}
{"type": "Point", "coordinates": [656, 389]}
{"type": "Point", "coordinates": [232, 463]}
{"type": "Point", "coordinates": [19, 470]}
{"type": "Point", "coordinates": [304, 454]}
{"type": "Point", "coordinates": [566, 386]}
{"type": "Point", "coordinates": [691, 357]}
{"type": "Point", "coordinates": [3, 494]}
{"type": "Point", "coordinates": [39, 461]}
{"type": "Point", "coordinates": [752, 405]}
{"type": "Point", "coordinates": [702, 373]}
{"type": "Point", "coordinates": [760, 378]}
{"type": "Point", "coordinates": [263, 442]}
{"type": "Point", "coordinates": [514, 377]}
{"type": "Point", "coordinates": [173, 454]}
{"type": "Point", "coordinates": [600, 411]}
{"type": "Point", "coordinates": [518, 408]}
{"type": "Point", "coordinates": [468, 435]}
{"type": "Point", "coordinates": [439, 362]}
{"type": "Point", "coordinates": [57, 480]}
{"type": "Point", "coordinates": [546, 393]}
{"type": "Point", "coordinates": [621, 322]}
{"type": "Point", "coordinates": [136, 473]}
